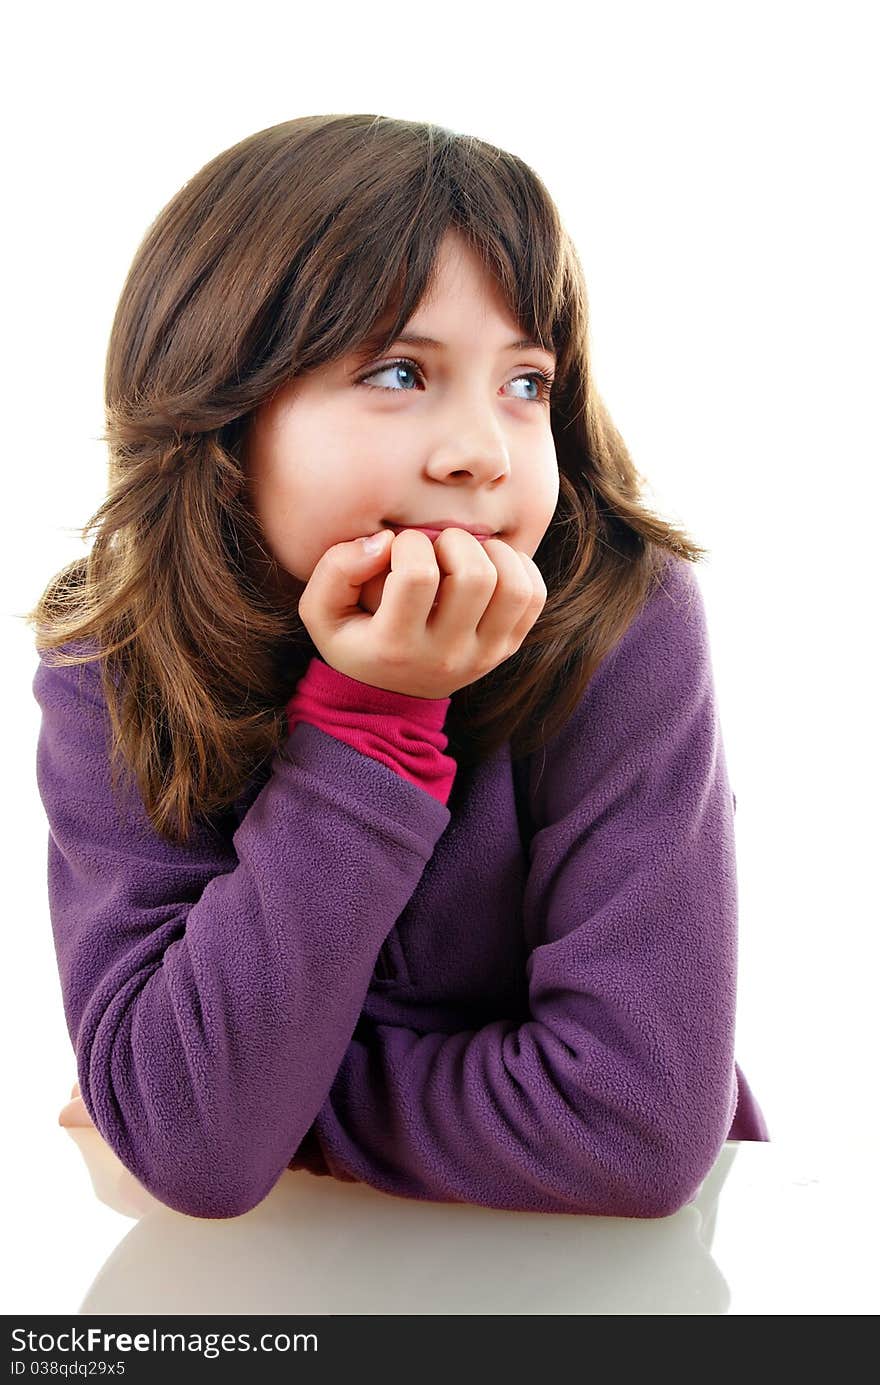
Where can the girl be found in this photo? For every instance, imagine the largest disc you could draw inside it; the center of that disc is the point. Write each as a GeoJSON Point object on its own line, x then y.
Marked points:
{"type": "Point", "coordinates": [409, 863]}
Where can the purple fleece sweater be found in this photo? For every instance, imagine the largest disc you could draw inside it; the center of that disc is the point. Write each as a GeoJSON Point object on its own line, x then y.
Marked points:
{"type": "Point", "coordinates": [526, 1001]}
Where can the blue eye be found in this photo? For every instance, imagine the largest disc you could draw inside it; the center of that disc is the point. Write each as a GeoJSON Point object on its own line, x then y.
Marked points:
{"type": "Point", "coordinates": [538, 377]}
{"type": "Point", "coordinates": [383, 370]}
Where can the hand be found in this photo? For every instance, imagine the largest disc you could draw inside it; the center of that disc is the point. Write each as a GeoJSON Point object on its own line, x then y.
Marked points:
{"type": "Point", "coordinates": [113, 1183]}
{"type": "Point", "coordinates": [488, 597]}
{"type": "Point", "coordinates": [75, 1113]}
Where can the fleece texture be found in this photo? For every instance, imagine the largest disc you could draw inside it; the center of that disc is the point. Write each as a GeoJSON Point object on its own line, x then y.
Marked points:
{"type": "Point", "coordinates": [523, 999]}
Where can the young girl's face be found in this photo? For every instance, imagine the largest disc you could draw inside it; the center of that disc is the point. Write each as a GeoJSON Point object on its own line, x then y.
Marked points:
{"type": "Point", "coordinates": [462, 433]}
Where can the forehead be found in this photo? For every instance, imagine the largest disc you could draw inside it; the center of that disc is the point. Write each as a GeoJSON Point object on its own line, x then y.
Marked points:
{"type": "Point", "coordinates": [463, 298]}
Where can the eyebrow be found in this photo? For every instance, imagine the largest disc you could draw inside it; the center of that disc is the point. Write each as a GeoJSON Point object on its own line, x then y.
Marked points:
{"type": "Point", "coordinates": [416, 339]}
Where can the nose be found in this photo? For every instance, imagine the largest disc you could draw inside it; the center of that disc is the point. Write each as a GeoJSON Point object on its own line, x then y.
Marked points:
{"type": "Point", "coordinates": [485, 459]}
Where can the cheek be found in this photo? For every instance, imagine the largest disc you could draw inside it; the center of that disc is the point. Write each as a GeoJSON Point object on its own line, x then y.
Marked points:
{"type": "Point", "coordinates": [552, 482]}
{"type": "Point", "coordinates": [546, 496]}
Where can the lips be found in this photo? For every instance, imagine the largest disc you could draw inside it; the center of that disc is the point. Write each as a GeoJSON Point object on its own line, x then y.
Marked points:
{"type": "Point", "coordinates": [437, 527]}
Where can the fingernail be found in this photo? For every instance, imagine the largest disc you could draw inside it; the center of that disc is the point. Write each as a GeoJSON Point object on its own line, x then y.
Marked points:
{"type": "Point", "coordinates": [374, 542]}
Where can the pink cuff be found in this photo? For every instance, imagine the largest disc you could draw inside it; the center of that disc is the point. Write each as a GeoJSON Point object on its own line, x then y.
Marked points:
{"type": "Point", "coordinates": [403, 732]}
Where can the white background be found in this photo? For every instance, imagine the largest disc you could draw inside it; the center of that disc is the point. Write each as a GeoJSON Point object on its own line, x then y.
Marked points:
{"type": "Point", "coordinates": [716, 165]}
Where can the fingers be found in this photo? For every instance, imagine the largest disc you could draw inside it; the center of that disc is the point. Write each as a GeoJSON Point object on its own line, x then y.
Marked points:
{"type": "Point", "coordinates": [516, 602]}
{"type": "Point", "coordinates": [337, 579]}
{"type": "Point", "coordinates": [491, 591]}
{"type": "Point", "coordinates": [468, 579]}
{"type": "Point", "coordinates": [488, 590]}
{"type": "Point", "coordinates": [539, 598]}
{"type": "Point", "coordinates": [409, 590]}
{"type": "Point", "coordinates": [75, 1114]}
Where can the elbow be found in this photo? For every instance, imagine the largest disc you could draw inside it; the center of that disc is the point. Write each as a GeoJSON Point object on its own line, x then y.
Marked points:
{"type": "Point", "coordinates": [213, 1204]}
{"type": "Point", "coordinates": [669, 1181]}
{"type": "Point", "coordinates": [642, 1202]}
{"type": "Point", "coordinates": [644, 1199]}
{"type": "Point", "coordinates": [199, 1186]}
{"type": "Point", "coordinates": [217, 1187]}
{"type": "Point", "coordinates": [197, 1171]}
{"type": "Point", "coordinates": [206, 1197]}
{"type": "Point", "coordinates": [655, 1177]}
{"type": "Point", "coordinates": [664, 1201]}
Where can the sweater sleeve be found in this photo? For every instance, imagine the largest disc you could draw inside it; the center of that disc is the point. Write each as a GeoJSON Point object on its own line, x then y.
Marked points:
{"type": "Point", "coordinates": [615, 1096]}
{"type": "Point", "coordinates": [210, 990]}
{"type": "Point", "coordinates": [405, 733]}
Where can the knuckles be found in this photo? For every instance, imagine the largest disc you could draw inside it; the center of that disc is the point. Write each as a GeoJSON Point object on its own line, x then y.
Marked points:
{"type": "Point", "coordinates": [523, 593]}
{"type": "Point", "coordinates": [476, 578]}
{"type": "Point", "coordinates": [418, 576]}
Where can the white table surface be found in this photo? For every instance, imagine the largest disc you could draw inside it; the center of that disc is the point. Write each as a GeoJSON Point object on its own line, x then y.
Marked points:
{"type": "Point", "coordinates": [772, 1231]}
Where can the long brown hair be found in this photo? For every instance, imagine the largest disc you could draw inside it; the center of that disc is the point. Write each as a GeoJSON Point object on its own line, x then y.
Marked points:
{"type": "Point", "coordinates": [278, 256]}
